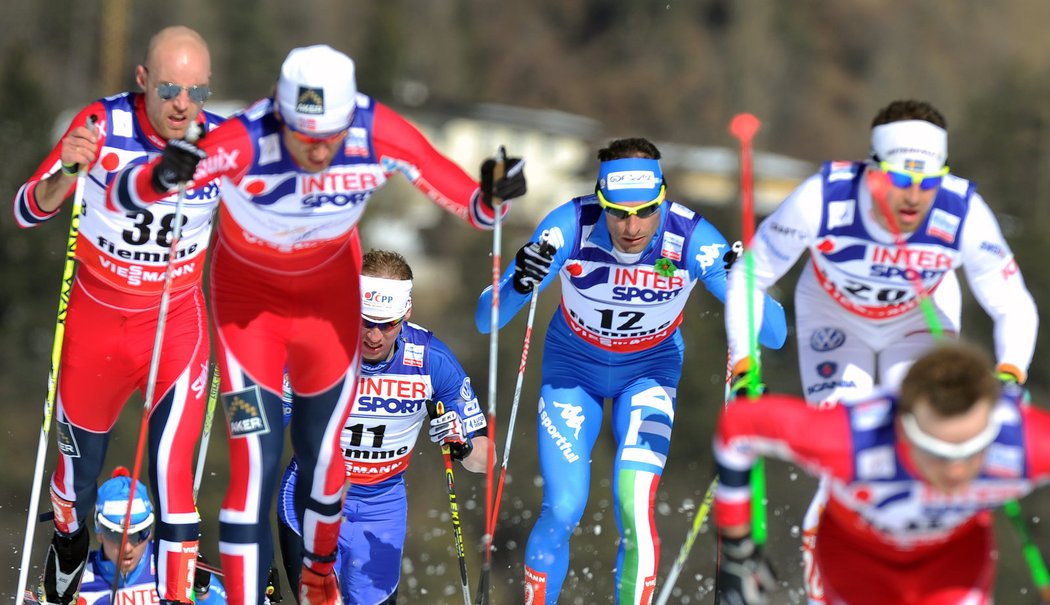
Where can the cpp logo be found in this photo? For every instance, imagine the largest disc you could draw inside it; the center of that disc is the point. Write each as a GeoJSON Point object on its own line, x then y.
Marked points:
{"type": "Point", "coordinates": [826, 339]}
{"type": "Point", "coordinates": [378, 297]}
{"type": "Point", "coordinates": [827, 369]}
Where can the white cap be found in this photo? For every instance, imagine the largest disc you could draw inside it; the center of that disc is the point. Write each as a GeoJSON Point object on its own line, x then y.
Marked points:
{"type": "Point", "coordinates": [317, 90]}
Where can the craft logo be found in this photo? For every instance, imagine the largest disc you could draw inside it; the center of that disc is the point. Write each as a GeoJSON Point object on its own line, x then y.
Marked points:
{"type": "Point", "coordinates": [310, 100]}
{"type": "Point", "coordinates": [244, 413]}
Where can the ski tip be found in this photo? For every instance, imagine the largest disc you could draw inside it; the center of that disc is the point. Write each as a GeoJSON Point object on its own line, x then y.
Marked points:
{"type": "Point", "coordinates": [744, 126]}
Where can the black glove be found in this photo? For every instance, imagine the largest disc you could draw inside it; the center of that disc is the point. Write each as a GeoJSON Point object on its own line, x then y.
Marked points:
{"type": "Point", "coordinates": [202, 577]}
{"type": "Point", "coordinates": [733, 254]}
{"type": "Point", "coordinates": [273, 587]}
{"type": "Point", "coordinates": [744, 576]}
{"type": "Point", "coordinates": [509, 186]}
{"type": "Point", "coordinates": [531, 265]}
{"type": "Point", "coordinates": [177, 165]}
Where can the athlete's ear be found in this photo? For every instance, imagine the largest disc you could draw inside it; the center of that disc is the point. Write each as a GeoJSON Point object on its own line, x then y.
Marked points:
{"type": "Point", "coordinates": [408, 314]}
{"type": "Point", "coordinates": [140, 77]}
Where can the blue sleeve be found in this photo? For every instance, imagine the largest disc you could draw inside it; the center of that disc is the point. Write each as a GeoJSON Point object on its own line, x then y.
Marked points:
{"type": "Point", "coordinates": [452, 386]}
{"type": "Point", "coordinates": [710, 256]}
{"type": "Point", "coordinates": [562, 221]}
{"type": "Point", "coordinates": [216, 593]}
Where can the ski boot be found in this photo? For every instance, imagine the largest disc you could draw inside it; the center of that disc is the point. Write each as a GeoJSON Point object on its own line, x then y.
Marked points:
{"type": "Point", "coordinates": [64, 566]}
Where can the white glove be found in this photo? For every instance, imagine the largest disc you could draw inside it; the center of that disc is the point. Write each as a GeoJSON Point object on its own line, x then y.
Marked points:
{"type": "Point", "coordinates": [448, 428]}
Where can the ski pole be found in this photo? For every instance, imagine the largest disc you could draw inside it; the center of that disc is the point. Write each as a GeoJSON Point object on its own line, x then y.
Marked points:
{"type": "Point", "coordinates": [744, 126]}
{"type": "Point", "coordinates": [1033, 558]}
{"type": "Point", "coordinates": [436, 410]}
{"type": "Point", "coordinates": [497, 245]}
{"type": "Point", "coordinates": [192, 134]}
{"type": "Point", "coordinates": [490, 528]}
{"type": "Point", "coordinates": [68, 269]}
{"type": "Point", "coordinates": [209, 415]}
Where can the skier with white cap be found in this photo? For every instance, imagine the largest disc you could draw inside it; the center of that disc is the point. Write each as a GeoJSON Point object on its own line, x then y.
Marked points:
{"type": "Point", "coordinates": [882, 234]}
{"type": "Point", "coordinates": [137, 583]}
{"type": "Point", "coordinates": [296, 173]}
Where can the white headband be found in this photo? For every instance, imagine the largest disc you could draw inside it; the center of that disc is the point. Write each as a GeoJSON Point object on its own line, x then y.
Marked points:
{"type": "Point", "coordinates": [385, 299]}
{"type": "Point", "coordinates": [947, 449]}
{"type": "Point", "coordinates": [912, 145]}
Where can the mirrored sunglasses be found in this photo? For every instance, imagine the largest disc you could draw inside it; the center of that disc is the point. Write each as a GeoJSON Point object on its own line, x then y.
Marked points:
{"type": "Point", "coordinates": [641, 211]}
{"type": "Point", "coordinates": [309, 140]}
{"type": "Point", "coordinates": [198, 93]}
{"type": "Point", "coordinates": [384, 326]}
{"type": "Point", "coordinates": [134, 538]}
{"type": "Point", "coordinates": [904, 179]}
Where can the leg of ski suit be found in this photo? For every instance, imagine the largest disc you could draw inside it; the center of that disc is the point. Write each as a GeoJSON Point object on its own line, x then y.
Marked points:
{"type": "Point", "coordinates": [105, 358]}
{"type": "Point", "coordinates": [642, 387]}
{"type": "Point", "coordinates": [308, 322]}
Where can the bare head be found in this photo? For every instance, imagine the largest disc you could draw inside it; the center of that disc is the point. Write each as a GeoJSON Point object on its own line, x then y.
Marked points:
{"type": "Point", "coordinates": [175, 77]}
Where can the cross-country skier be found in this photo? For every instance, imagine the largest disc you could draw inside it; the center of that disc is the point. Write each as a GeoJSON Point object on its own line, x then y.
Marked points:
{"type": "Point", "coordinates": [914, 476]}
{"type": "Point", "coordinates": [858, 319]}
{"type": "Point", "coordinates": [403, 366]}
{"type": "Point", "coordinates": [137, 582]}
{"type": "Point", "coordinates": [297, 170]}
{"type": "Point", "coordinates": [113, 309]}
{"type": "Point", "coordinates": [627, 262]}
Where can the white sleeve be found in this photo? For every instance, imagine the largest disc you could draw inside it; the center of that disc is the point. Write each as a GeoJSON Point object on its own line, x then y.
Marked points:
{"type": "Point", "coordinates": [779, 241]}
{"type": "Point", "coordinates": [999, 287]}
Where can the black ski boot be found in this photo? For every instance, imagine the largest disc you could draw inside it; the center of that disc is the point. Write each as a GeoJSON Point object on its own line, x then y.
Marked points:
{"type": "Point", "coordinates": [64, 566]}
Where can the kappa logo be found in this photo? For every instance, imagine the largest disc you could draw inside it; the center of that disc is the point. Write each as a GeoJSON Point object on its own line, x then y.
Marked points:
{"type": "Point", "coordinates": [244, 413]}
{"type": "Point", "coordinates": [572, 416]}
{"type": "Point", "coordinates": [826, 339]}
{"type": "Point", "coordinates": [709, 255]}
{"type": "Point", "coordinates": [310, 100]}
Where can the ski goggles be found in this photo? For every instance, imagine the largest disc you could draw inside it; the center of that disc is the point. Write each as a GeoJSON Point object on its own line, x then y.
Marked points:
{"type": "Point", "coordinates": [384, 326]}
{"type": "Point", "coordinates": [312, 140]}
{"type": "Point", "coordinates": [114, 535]}
{"type": "Point", "coordinates": [904, 179]}
{"type": "Point", "coordinates": [946, 450]}
{"type": "Point", "coordinates": [198, 93]}
{"type": "Point", "coordinates": [641, 211]}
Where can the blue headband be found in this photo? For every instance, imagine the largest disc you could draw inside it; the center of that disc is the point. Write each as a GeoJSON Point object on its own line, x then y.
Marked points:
{"type": "Point", "coordinates": [630, 180]}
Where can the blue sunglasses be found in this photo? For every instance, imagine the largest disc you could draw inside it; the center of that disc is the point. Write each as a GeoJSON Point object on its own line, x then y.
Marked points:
{"type": "Point", "coordinates": [905, 179]}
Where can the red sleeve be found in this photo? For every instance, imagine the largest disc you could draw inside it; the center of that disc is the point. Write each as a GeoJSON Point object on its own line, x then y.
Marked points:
{"type": "Point", "coordinates": [401, 144]}
{"type": "Point", "coordinates": [230, 154]}
{"type": "Point", "coordinates": [27, 212]}
{"type": "Point", "coordinates": [778, 426]}
{"type": "Point", "coordinates": [1037, 442]}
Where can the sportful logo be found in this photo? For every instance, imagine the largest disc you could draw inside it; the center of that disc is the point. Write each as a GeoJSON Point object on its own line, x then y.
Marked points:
{"type": "Point", "coordinates": [310, 100]}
